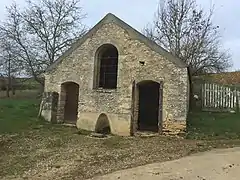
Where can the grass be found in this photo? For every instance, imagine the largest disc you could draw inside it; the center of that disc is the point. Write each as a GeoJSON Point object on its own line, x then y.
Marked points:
{"type": "Point", "coordinates": [31, 148]}
{"type": "Point", "coordinates": [17, 115]}
{"type": "Point", "coordinates": [20, 94]}
{"type": "Point", "coordinates": [213, 125]}
{"type": "Point", "coordinates": [30, 83]}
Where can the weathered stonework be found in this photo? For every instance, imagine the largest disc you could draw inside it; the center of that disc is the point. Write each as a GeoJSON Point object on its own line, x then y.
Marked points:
{"type": "Point", "coordinates": [173, 127]}
{"type": "Point", "coordinates": [79, 65]}
{"type": "Point", "coordinates": [49, 106]}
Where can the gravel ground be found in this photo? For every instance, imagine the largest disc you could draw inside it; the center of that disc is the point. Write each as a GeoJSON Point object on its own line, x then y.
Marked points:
{"type": "Point", "coordinates": [64, 153]}
{"type": "Point", "coordinates": [213, 165]}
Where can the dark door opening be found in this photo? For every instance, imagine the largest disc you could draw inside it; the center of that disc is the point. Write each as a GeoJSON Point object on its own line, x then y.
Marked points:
{"type": "Point", "coordinates": [71, 91]}
{"type": "Point", "coordinates": [148, 106]}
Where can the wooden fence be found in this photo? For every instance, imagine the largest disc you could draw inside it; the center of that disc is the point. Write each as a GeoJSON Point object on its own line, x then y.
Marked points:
{"type": "Point", "coordinates": [217, 97]}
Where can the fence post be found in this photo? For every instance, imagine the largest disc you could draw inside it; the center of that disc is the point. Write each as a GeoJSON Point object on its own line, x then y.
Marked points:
{"type": "Point", "coordinates": [237, 100]}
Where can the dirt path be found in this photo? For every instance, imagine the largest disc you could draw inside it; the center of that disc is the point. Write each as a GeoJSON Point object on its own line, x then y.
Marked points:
{"type": "Point", "coordinates": [221, 164]}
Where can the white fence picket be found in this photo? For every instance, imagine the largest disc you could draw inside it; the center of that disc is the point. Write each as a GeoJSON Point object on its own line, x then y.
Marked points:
{"type": "Point", "coordinates": [220, 98]}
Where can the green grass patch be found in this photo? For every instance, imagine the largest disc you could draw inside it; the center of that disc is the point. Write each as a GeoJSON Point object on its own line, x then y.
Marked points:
{"type": "Point", "coordinates": [32, 146]}
{"type": "Point", "coordinates": [26, 83]}
{"type": "Point", "coordinates": [209, 125]}
{"type": "Point", "coordinates": [17, 115]}
{"type": "Point", "coordinates": [21, 94]}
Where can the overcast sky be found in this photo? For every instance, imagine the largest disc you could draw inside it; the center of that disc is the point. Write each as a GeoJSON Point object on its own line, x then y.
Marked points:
{"type": "Point", "coordinates": [138, 13]}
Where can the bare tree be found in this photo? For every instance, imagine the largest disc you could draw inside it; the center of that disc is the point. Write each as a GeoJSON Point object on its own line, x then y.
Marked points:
{"type": "Point", "coordinates": [9, 65]}
{"type": "Point", "coordinates": [42, 31]}
{"type": "Point", "coordinates": [185, 30]}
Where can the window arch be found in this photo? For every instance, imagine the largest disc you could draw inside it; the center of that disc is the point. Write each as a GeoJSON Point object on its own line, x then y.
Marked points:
{"type": "Point", "coordinates": [106, 67]}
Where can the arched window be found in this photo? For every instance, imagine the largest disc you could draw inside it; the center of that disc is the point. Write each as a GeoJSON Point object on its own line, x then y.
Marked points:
{"type": "Point", "coordinates": [107, 67]}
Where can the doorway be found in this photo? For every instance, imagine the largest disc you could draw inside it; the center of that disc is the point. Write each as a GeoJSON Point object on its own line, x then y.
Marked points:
{"type": "Point", "coordinates": [70, 93]}
{"type": "Point", "coordinates": [149, 102]}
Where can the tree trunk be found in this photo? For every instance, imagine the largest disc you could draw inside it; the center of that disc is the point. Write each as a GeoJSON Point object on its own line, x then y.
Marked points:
{"type": "Point", "coordinates": [9, 77]}
{"type": "Point", "coordinates": [8, 88]}
{"type": "Point", "coordinates": [13, 85]}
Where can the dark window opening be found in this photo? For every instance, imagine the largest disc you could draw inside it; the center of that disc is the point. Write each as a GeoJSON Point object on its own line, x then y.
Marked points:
{"type": "Point", "coordinates": [148, 106]}
{"type": "Point", "coordinates": [108, 67]}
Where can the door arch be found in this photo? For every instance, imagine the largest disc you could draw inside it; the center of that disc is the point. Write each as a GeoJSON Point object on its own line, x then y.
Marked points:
{"type": "Point", "coordinates": [69, 98]}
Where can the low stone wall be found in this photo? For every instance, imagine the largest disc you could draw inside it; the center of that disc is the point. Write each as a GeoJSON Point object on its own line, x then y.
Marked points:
{"type": "Point", "coordinates": [48, 107]}
{"type": "Point", "coordinates": [171, 127]}
{"type": "Point", "coordinates": [119, 123]}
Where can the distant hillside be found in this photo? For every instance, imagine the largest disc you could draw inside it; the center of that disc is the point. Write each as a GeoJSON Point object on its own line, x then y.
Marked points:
{"type": "Point", "coordinates": [20, 83]}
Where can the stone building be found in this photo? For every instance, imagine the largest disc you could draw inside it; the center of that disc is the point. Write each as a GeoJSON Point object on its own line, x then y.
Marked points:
{"type": "Point", "coordinates": [115, 79]}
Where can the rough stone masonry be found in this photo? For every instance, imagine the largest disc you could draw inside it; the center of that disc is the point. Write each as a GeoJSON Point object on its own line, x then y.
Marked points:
{"type": "Point", "coordinates": [139, 60]}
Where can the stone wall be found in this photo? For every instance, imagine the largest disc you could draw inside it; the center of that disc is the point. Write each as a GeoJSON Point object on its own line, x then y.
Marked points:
{"type": "Point", "coordinates": [48, 109]}
{"type": "Point", "coordinates": [78, 67]}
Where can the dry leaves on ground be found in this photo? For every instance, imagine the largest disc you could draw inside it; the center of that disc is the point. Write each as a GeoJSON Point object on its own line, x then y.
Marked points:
{"type": "Point", "coordinates": [61, 153]}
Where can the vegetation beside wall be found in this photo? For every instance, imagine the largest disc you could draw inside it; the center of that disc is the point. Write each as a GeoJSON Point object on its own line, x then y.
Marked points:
{"type": "Point", "coordinates": [213, 125]}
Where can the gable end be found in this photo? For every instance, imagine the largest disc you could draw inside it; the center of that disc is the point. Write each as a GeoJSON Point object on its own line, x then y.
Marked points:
{"type": "Point", "coordinates": [134, 34]}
